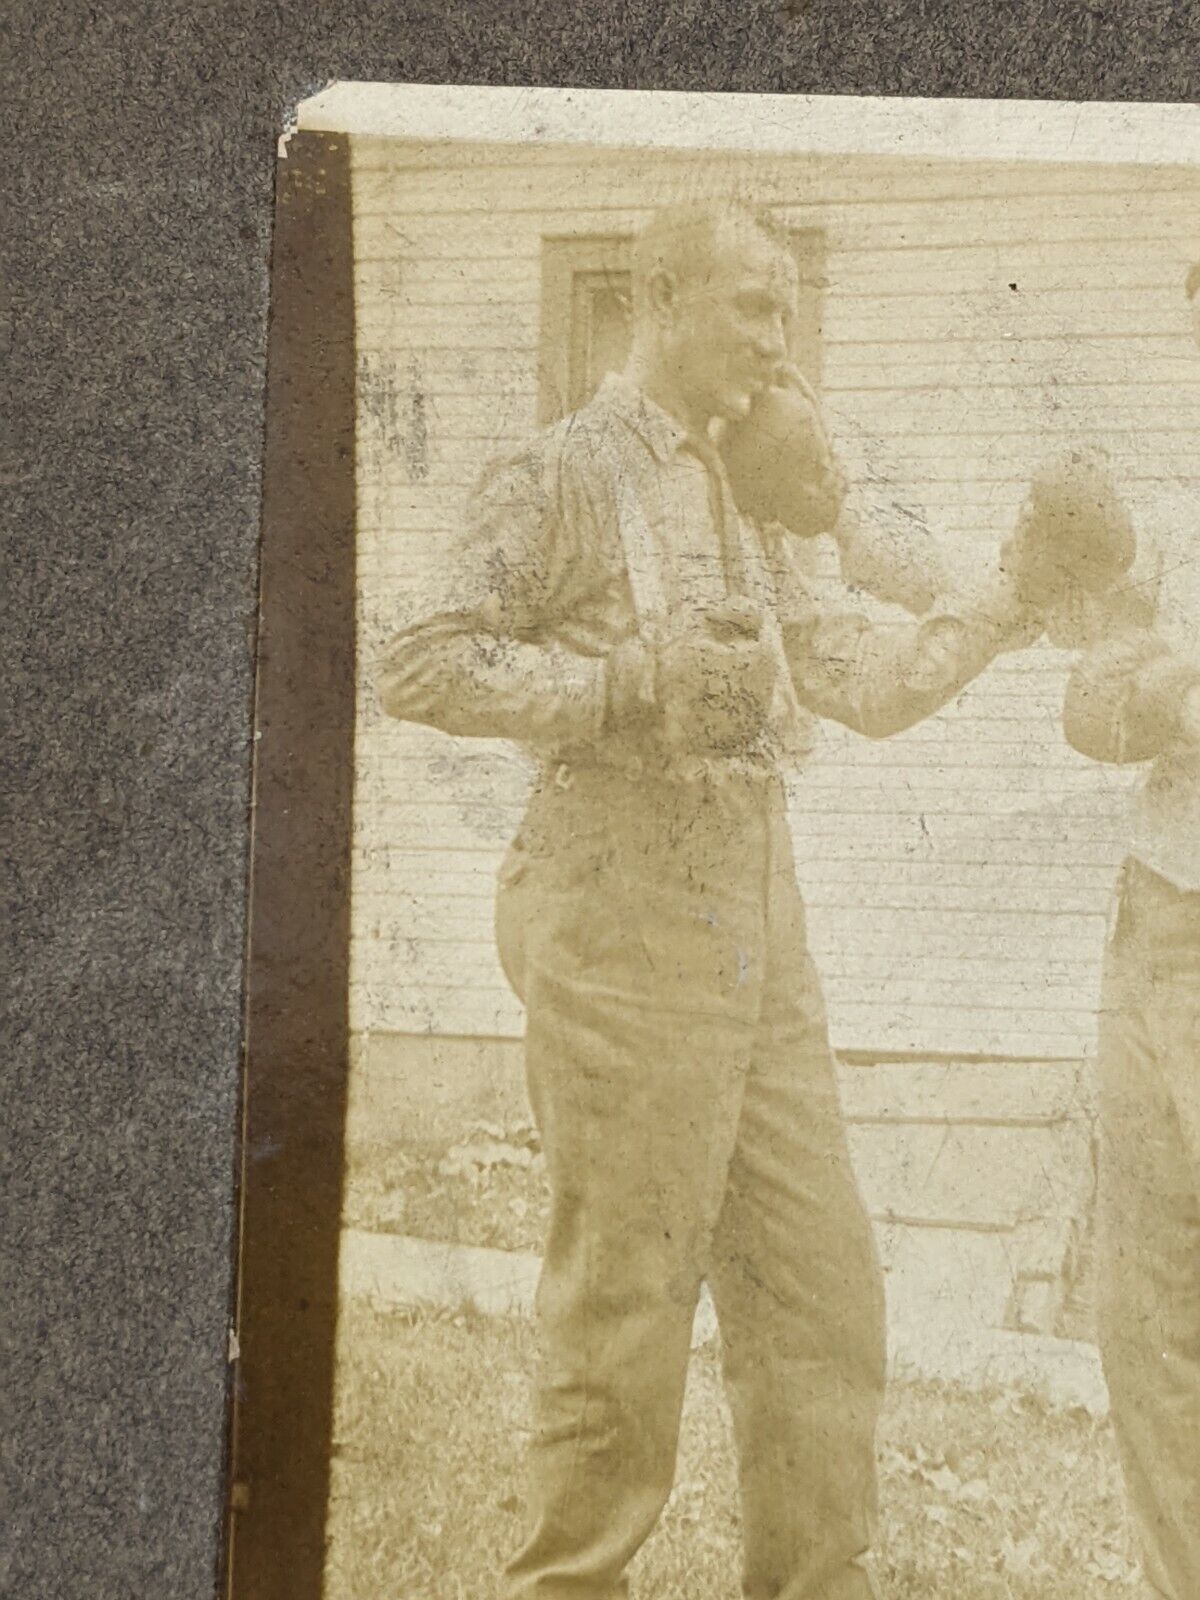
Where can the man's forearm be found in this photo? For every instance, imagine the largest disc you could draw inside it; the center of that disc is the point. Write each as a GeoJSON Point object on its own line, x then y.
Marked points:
{"type": "Point", "coordinates": [470, 682]}
{"type": "Point", "coordinates": [880, 679]}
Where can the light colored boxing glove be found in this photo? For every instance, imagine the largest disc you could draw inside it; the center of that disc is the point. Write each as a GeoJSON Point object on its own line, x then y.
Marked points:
{"type": "Point", "coordinates": [715, 684]}
{"type": "Point", "coordinates": [1074, 533]}
{"type": "Point", "coordinates": [779, 463]}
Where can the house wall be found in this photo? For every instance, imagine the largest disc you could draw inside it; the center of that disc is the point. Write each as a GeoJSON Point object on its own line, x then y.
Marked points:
{"type": "Point", "coordinates": [975, 317]}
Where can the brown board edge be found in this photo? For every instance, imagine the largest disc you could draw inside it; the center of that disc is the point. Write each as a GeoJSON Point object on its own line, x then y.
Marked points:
{"type": "Point", "coordinates": [296, 1023]}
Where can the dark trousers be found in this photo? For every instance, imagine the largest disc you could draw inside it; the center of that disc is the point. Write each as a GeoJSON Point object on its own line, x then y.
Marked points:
{"type": "Point", "coordinates": [1150, 1216]}
{"type": "Point", "coordinates": [679, 1069]}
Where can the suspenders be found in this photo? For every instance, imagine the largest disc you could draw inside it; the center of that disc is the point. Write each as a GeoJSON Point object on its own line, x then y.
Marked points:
{"type": "Point", "coordinates": [746, 568]}
{"type": "Point", "coordinates": [746, 571]}
{"type": "Point", "coordinates": [643, 559]}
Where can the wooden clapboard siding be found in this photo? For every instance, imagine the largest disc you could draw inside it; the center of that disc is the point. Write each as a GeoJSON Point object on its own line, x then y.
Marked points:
{"type": "Point", "coordinates": [956, 876]}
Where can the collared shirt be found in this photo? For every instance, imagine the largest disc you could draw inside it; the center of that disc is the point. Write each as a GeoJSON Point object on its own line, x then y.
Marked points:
{"type": "Point", "coordinates": [692, 512]}
{"type": "Point", "coordinates": [608, 525]}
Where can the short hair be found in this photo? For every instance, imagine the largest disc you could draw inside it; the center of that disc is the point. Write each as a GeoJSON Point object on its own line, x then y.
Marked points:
{"type": "Point", "coordinates": [1192, 282]}
{"type": "Point", "coordinates": [679, 238]}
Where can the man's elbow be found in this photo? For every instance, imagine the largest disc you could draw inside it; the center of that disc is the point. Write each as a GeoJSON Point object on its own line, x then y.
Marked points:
{"type": "Point", "coordinates": [404, 687]}
{"type": "Point", "coordinates": [408, 702]}
{"type": "Point", "coordinates": [393, 701]}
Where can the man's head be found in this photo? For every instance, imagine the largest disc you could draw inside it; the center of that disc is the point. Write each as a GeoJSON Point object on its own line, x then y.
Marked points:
{"type": "Point", "coordinates": [714, 288]}
{"type": "Point", "coordinates": [1192, 288]}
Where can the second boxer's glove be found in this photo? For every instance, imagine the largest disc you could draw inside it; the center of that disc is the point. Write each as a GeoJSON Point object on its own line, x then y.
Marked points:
{"type": "Point", "coordinates": [1129, 698]}
{"type": "Point", "coordinates": [1073, 534]}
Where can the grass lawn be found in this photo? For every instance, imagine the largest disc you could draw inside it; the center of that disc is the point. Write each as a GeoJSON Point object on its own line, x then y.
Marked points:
{"type": "Point", "coordinates": [984, 1498]}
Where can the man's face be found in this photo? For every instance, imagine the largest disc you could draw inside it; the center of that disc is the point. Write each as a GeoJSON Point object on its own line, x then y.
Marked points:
{"type": "Point", "coordinates": [727, 330]}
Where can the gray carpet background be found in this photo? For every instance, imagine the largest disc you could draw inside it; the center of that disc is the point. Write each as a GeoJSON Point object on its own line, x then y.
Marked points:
{"type": "Point", "coordinates": [139, 146]}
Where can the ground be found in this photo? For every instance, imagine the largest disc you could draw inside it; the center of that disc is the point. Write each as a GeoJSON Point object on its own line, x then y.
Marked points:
{"type": "Point", "coordinates": [486, 1187]}
{"type": "Point", "coordinates": [983, 1497]}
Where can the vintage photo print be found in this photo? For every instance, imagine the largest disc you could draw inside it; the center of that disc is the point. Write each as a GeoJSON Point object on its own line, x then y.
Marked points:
{"type": "Point", "coordinates": [723, 1027]}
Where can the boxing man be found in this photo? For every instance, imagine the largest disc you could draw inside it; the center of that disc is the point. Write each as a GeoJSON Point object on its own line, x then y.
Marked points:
{"type": "Point", "coordinates": [610, 607]}
{"type": "Point", "coordinates": [1135, 697]}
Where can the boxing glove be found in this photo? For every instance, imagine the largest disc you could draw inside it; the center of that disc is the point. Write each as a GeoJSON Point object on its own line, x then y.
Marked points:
{"type": "Point", "coordinates": [779, 464]}
{"type": "Point", "coordinates": [1073, 533]}
{"type": "Point", "coordinates": [715, 683]}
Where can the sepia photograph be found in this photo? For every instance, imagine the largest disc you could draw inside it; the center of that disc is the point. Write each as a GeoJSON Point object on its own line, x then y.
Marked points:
{"type": "Point", "coordinates": [723, 1036]}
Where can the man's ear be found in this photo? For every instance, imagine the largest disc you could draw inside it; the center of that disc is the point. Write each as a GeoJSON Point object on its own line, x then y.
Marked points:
{"type": "Point", "coordinates": [661, 293]}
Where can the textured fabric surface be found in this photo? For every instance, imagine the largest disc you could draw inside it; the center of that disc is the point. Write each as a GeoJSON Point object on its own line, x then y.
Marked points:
{"type": "Point", "coordinates": [139, 145]}
{"type": "Point", "coordinates": [1149, 1300]}
{"type": "Point", "coordinates": [679, 1070]}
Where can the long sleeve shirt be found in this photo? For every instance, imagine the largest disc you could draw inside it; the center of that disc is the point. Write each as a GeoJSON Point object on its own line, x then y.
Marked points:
{"type": "Point", "coordinates": [1123, 705]}
{"type": "Point", "coordinates": [616, 523]}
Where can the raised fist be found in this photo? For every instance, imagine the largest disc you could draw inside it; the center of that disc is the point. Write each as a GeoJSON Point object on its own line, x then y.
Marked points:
{"type": "Point", "coordinates": [1073, 534]}
{"type": "Point", "coordinates": [779, 463]}
{"type": "Point", "coordinates": [714, 684]}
